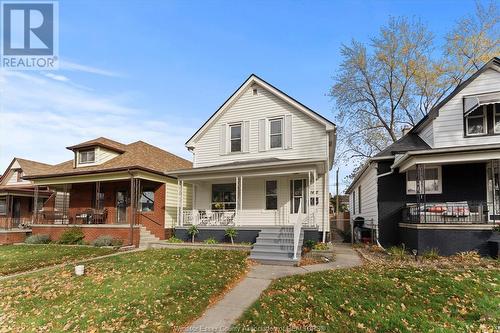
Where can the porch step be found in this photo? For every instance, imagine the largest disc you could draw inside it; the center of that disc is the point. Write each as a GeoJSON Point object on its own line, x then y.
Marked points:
{"type": "Point", "coordinates": [146, 237]}
{"type": "Point", "coordinates": [274, 246]}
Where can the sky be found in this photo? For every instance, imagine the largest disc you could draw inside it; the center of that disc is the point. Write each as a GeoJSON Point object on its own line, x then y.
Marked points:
{"type": "Point", "coordinates": [156, 70]}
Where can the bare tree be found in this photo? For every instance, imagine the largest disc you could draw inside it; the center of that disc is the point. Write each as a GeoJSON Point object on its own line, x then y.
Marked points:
{"type": "Point", "coordinates": [396, 79]}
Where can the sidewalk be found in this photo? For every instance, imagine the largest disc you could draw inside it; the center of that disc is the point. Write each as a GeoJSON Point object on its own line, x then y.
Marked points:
{"type": "Point", "coordinates": [223, 314]}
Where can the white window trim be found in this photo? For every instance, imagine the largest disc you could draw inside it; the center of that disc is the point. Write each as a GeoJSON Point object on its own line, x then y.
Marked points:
{"type": "Point", "coordinates": [80, 156]}
{"type": "Point", "coordinates": [495, 118]}
{"type": "Point", "coordinates": [282, 133]}
{"type": "Point", "coordinates": [440, 180]}
{"type": "Point", "coordinates": [266, 195]}
{"type": "Point", "coordinates": [240, 124]}
{"type": "Point", "coordinates": [485, 124]}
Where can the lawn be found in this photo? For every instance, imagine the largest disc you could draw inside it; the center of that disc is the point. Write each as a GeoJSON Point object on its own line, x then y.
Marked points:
{"type": "Point", "coordinates": [153, 290]}
{"type": "Point", "coordinates": [19, 258]}
{"type": "Point", "coordinates": [380, 299]}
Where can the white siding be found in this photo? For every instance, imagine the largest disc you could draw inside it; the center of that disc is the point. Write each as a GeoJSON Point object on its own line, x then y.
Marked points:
{"type": "Point", "coordinates": [309, 137]}
{"type": "Point", "coordinates": [253, 205]}
{"type": "Point", "coordinates": [427, 134]}
{"type": "Point", "coordinates": [171, 201]}
{"type": "Point", "coordinates": [449, 126]}
{"type": "Point", "coordinates": [101, 155]}
{"type": "Point", "coordinates": [369, 207]}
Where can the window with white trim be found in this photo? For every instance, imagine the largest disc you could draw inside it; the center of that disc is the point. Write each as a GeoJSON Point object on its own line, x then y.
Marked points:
{"type": "Point", "coordinates": [496, 118]}
{"type": "Point", "coordinates": [235, 138]}
{"type": "Point", "coordinates": [359, 199]}
{"type": "Point", "coordinates": [147, 200]}
{"type": "Point", "coordinates": [86, 156]}
{"type": "Point", "coordinates": [475, 123]}
{"type": "Point", "coordinates": [354, 202]}
{"type": "Point", "coordinates": [276, 133]}
{"type": "Point", "coordinates": [433, 180]}
{"type": "Point", "coordinates": [271, 194]}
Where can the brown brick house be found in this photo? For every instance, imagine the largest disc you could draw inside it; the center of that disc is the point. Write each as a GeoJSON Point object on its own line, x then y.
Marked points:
{"type": "Point", "coordinates": [17, 199]}
{"type": "Point", "coordinates": [110, 188]}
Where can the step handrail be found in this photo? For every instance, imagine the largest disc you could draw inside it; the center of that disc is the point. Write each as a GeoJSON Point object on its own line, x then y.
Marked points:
{"type": "Point", "coordinates": [297, 227]}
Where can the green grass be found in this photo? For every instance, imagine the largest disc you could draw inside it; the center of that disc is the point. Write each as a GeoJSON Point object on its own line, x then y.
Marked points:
{"type": "Point", "coordinates": [147, 291]}
{"type": "Point", "coordinates": [380, 300]}
{"type": "Point", "coordinates": [20, 258]}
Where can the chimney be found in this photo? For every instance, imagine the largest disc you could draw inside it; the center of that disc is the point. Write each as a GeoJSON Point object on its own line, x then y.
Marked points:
{"type": "Point", "coordinates": [406, 130]}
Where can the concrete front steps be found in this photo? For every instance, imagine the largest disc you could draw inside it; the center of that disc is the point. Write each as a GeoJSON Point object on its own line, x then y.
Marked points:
{"type": "Point", "coordinates": [274, 246]}
{"type": "Point", "coordinates": [146, 237]}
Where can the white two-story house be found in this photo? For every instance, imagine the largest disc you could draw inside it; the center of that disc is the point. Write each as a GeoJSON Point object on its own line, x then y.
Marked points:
{"type": "Point", "coordinates": [438, 186]}
{"type": "Point", "coordinates": [256, 160]}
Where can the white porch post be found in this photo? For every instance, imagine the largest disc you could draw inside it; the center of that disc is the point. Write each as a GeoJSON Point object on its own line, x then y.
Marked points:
{"type": "Point", "coordinates": [178, 202]}
{"type": "Point", "coordinates": [241, 195]}
{"type": "Point", "coordinates": [181, 217]}
{"type": "Point", "coordinates": [309, 197]}
{"type": "Point", "coordinates": [315, 178]}
{"type": "Point", "coordinates": [237, 200]}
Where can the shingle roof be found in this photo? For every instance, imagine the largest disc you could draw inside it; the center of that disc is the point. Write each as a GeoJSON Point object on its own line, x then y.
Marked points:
{"type": "Point", "coordinates": [408, 142]}
{"type": "Point", "coordinates": [102, 142]}
{"type": "Point", "coordinates": [32, 167]}
{"type": "Point", "coordinates": [137, 155]}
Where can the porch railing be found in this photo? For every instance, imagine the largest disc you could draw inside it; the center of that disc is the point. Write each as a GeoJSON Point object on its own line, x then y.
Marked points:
{"type": "Point", "coordinates": [447, 212]}
{"type": "Point", "coordinates": [8, 223]}
{"type": "Point", "coordinates": [209, 217]}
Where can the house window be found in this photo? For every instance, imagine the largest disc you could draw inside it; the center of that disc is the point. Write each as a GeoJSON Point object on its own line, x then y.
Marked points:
{"type": "Point", "coordinates": [432, 180]}
{"type": "Point", "coordinates": [476, 122]}
{"type": "Point", "coordinates": [271, 194]}
{"type": "Point", "coordinates": [3, 206]}
{"type": "Point", "coordinates": [19, 174]}
{"type": "Point", "coordinates": [297, 195]}
{"type": "Point", "coordinates": [235, 137]}
{"type": "Point", "coordinates": [86, 156]}
{"type": "Point", "coordinates": [147, 201]}
{"type": "Point", "coordinates": [496, 112]}
{"type": "Point", "coordinates": [354, 202]}
{"type": "Point", "coordinates": [359, 199]}
{"type": "Point", "coordinates": [276, 133]}
{"type": "Point", "coordinates": [223, 196]}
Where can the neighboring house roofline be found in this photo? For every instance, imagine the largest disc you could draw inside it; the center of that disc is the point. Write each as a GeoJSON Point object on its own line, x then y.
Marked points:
{"type": "Point", "coordinates": [460, 149]}
{"type": "Point", "coordinates": [434, 112]}
{"type": "Point", "coordinates": [254, 79]}
{"type": "Point", "coordinates": [89, 172]}
{"type": "Point", "coordinates": [26, 169]}
{"type": "Point", "coordinates": [359, 175]}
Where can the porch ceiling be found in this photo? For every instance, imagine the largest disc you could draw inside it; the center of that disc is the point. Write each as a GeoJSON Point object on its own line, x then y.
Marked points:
{"type": "Point", "coordinates": [252, 170]}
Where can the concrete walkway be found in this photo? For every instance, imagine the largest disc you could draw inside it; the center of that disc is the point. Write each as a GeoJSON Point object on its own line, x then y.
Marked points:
{"type": "Point", "coordinates": [220, 317]}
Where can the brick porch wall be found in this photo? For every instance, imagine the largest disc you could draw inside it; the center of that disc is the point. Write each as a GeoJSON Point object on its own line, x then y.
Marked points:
{"type": "Point", "coordinates": [155, 221]}
{"type": "Point", "coordinates": [11, 237]}
{"type": "Point", "coordinates": [91, 232]}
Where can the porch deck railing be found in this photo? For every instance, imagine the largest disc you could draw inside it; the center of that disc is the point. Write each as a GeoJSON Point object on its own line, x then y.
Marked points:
{"type": "Point", "coordinates": [207, 217]}
{"type": "Point", "coordinates": [7, 223]}
{"type": "Point", "coordinates": [447, 213]}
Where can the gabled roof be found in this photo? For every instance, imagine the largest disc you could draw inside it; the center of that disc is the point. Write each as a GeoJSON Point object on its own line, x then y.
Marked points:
{"type": "Point", "coordinates": [492, 64]}
{"type": "Point", "coordinates": [254, 79]}
{"type": "Point", "coordinates": [408, 142]}
{"type": "Point", "coordinates": [29, 167]}
{"type": "Point", "coordinates": [101, 142]}
{"type": "Point", "coordinates": [138, 155]}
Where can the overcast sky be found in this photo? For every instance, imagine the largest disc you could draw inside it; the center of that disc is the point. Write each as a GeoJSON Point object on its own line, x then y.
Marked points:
{"type": "Point", "coordinates": [156, 70]}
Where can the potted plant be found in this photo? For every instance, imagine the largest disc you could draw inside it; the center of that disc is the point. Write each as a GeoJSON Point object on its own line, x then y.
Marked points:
{"type": "Point", "coordinates": [193, 231]}
{"type": "Point", "coordinates": [231, 233]}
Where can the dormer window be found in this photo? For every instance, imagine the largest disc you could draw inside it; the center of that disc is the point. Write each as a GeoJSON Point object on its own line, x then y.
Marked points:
{"type": "Point", "coordinates": [86, 156]}
{"type": "Point", "coordinates": [476, 122]}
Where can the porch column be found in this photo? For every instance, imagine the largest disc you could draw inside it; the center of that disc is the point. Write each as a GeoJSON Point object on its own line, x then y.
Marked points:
{"type": "Point", "coordinates": [34, 218]}
{"type": "Point", "coordinates": [182, 203]}
{"type": "Point", "coordinates": [237, 199]}
{"type": "Point", "coordinates": [309, 197]}
{"type": "Point", "coordinates": [131, 219]}
{"type": "Point", "coordinates": [315, 178]}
